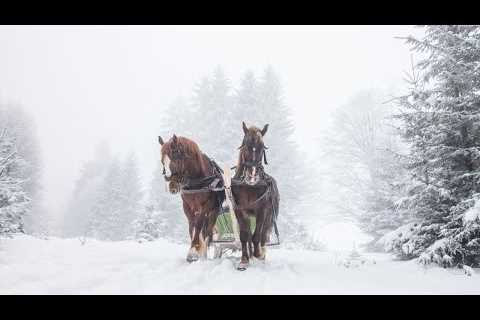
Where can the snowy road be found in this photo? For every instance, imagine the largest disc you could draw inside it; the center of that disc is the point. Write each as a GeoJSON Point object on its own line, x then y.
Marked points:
{"type": "Point", "coordinates": [59, 266]}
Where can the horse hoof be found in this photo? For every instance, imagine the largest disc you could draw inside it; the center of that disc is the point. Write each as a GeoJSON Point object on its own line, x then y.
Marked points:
{"type": "Point", "coordinates": [242, 266]}
{"type": "Point", "coordinates": [192, 258]}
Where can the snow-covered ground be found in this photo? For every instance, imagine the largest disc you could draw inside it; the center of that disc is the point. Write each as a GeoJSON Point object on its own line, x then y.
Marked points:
{"type": "Point", "coordinates": [59, 266]}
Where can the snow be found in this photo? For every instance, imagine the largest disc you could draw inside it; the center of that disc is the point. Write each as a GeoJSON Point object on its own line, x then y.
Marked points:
{"type": "Point", "coordinates": [64, 266]}
{"type": "Point", "coordinates": [400, 234]}
{"type": "Point", "coordinates": [473, 213]}
{"type": "Point", "coordinates": [338, 235]}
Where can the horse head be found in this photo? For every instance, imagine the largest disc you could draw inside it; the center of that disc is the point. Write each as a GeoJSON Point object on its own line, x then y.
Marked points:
{"type": "Point", "coordinates": [251, 152]}
{"type": "Point", "coordinates": [180, 158]}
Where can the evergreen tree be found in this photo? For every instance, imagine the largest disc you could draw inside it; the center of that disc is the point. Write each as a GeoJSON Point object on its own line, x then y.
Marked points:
{"type": "Point", "coordinates": [21, 128]}
{"type": "Point", "coordinates": [132, 196]}
{"type": "Point", "coordinates": [78, 217]}
{"type": "Point", "coordinates": [286, 163]}
{"type": "Point", "coordinates": [106, 202]}
{"type": "Point", "coordinates": [363, 165]}
{"type": "Point", "coordinates": [441, 122]}
{"type": "Point", "coordinates": [107, 210]}
{"type": "Point", "coordinates": [14, 200]}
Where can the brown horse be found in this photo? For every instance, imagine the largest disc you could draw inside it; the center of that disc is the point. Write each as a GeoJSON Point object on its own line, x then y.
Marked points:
{"type": "Point", "coordinates": [190, 170]}
{"type": "Point", "coordinates": [255, 193]}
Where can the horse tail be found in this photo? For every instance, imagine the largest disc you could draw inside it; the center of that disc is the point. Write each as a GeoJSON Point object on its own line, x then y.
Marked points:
{"type": "Point", "coordinates": [275, 198]}
{"type": "Point", "coordinates": [275, 207]}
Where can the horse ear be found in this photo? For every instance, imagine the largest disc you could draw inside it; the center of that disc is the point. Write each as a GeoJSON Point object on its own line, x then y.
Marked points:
{"type": "Point", "coordinates": [264, 130]}
{"type": "Point", "coordinates": [244, 126]}
{"type": "Point", "coordinates": [160, 140]}
{"type": "Point", "coordinates": [174, 138]}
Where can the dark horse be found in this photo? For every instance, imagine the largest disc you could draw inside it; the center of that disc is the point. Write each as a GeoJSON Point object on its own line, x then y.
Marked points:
{"type": "Point", "coordinates": [255, 193]}
{"type": "Point", "coordinates": [190, 170]}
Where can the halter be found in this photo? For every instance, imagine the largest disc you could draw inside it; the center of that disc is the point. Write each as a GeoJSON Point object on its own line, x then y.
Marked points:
{"type": "Point", "coordinates": [189, 182]}
{"type": "Point", "coordinates": [177, 154]}
{"type": "Point", "coordinates": [255, 162]}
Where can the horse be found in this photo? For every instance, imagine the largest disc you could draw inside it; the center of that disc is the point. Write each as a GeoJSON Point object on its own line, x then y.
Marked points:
{"type": "Point", "coordinates": [190, 170]}
{"type": "Point", "coordinates": [255, 193]}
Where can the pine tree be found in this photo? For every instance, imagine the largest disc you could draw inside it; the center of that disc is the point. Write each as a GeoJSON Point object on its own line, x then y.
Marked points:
{"type": "Point", "coordinates": [107, 210]}
{"type": "Point", "coordinates": [441, 123]}
{"type": "Point", "coordinates": [286, 163]}
{"type": "Point", "coordinates": [213, 117]}
{"type": "Point", "coordinates": [21, 127]}
{"type": "Point", "coordinates": [14, 200]}
{"type": "Point", "coordinates": [361, 150]}
{"type": "Point", "coordinates": [78, 217]}
{"type": "Point", "coordinates": [132, 196]}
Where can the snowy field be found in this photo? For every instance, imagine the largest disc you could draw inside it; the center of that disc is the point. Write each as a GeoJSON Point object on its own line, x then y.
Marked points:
{"type": "Point", "coordinates": [59, 266]}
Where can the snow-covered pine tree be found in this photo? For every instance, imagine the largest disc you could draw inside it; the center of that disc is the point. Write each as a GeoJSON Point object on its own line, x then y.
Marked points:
{"type": "Point", "coordinates": [216, 133]}
{"type": "Point", "coordinates": [106, 223]}
{"type": "Point", "coordinates": [131, 200]}
{"type": "Point", "coordinates": [14, 200]}
{"type": "Point", "coordinates": [442, 124]}
{"type": "Point", "coordinates": [119, 201]}
{"type": "Point", "coordinates": [78, 217]}
{"type": "Point", "coordinates": [360, 151]}
{"type": "Point", "coordinates": [21, 127]}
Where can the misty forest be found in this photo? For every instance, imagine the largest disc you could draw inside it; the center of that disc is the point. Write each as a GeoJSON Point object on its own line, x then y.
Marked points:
{"type": "Point", "coordinates": [382, 196]}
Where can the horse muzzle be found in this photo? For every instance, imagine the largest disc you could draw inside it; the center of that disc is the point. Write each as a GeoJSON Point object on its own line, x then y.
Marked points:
{"type": "Point", "coordinates": [252, 177]}
{"type": "Point", "coordinates": [174, 187]}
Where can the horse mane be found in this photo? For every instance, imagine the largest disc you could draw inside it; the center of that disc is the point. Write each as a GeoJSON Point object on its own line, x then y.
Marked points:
{"type": "Point", "coordinates": [190, 148]}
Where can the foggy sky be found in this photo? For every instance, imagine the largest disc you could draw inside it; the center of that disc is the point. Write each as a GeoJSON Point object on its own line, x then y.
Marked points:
{"type": "Point", "coordinates": [83, 84]}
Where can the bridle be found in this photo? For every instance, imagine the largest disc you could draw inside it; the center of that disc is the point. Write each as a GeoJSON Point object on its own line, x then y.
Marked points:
{"type": "Point", "coordinates": [255, 162]}
{"type": "Point", "coordinates": [177, 155]}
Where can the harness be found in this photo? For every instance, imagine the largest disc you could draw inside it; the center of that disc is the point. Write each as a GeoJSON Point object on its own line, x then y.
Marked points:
{"type": "Point", "coordinates": [211, 183]}
{"type": "Point", "coordinates": [270, 185]}
{"type": "Point", "coordinates": [215, 183]}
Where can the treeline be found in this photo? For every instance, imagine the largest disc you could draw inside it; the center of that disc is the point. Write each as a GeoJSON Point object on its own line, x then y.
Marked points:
{"type": "Point", "coordinates": [407, 170]}
{"type": "Point", "coordinates": [106, 199]}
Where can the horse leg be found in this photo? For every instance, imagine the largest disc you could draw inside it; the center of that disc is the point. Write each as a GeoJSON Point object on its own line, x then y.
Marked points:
{"type": "Point", "coordinates": [205, 238]}
{"type": "Point", "coordinates": [250, 248]}
{"type": "Point", "coordinates": [195, 247]}
{"type": "Point", "coordinates": [267, 230]}
{"type": "Point", "coordinates": [257, 235]}
{"type": "Point", "coordinates": [244, 225]}
{"type": "Point", "coordinates": [192, 255]}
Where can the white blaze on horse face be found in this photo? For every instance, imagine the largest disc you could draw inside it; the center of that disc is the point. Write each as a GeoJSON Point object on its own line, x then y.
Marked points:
{"type": "Point", "coordinates": [254, 175]}
{"type": "Point", "coordinates": [166, 163]}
